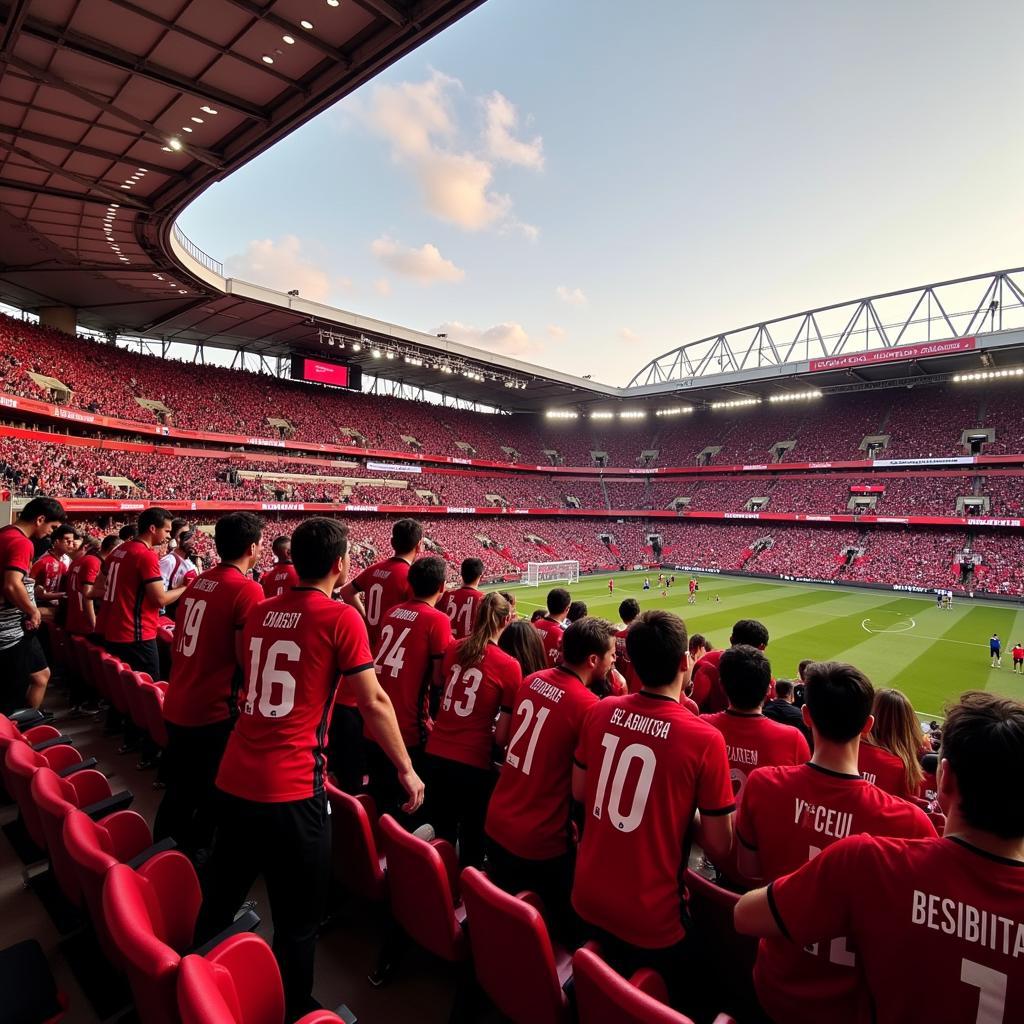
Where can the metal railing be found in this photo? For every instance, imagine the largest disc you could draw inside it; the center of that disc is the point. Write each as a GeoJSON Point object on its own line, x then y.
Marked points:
{"type": "Point", "coordinates": [196, 253]}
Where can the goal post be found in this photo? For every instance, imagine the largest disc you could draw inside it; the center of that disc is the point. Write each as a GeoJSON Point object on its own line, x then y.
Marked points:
{"type": "Point", "coordinates": [551, 572]}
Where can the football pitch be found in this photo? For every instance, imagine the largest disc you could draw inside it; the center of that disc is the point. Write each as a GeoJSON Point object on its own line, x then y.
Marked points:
{"type": "Point", "coordinates": [903, 641]}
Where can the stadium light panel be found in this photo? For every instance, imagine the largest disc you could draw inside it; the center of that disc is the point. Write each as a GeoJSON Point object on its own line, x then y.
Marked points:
{"type": "Point", "coordinates": [793, 396]}
{"type": "Point", "coordinates": [562, 414]}
{"type": "Point", "coordinates": [307, 25]}
{"type": "Point", "coordinates": [175, 144]}
{"type": "Point", "coordinates": [964, 378]}
{"type": "Point", "coordinates": [632, 414]}
{"type": "Point", "coordinates": [602, 415]}
{"type": "Point", "coordinates": [290, 40]}
{"type": "Point", "coordinates": [375, 352]}
{"type": "Point", "coordinates": [736, 403]}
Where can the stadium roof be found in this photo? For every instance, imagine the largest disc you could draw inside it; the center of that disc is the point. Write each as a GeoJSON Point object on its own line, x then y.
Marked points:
{"type": "Point", "coordinates": [116, 114]}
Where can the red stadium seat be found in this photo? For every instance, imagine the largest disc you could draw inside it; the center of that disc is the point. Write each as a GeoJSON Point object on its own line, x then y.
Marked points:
{"type": "Point", "coordinates": [151, 698]}
{"type": "Point", "coordinates": [93, 848]}
{"type": "Point", "coordinates": [358, 865]}
{"type": "Point", "coordinates": [131, 685]}
{"type": "Point", "coordinates": [113, 686]}
{"type": "Point", "coordinates": [423, 886]}
{"type": "Point", "coordinates": [20, 763]}
{"type": "Point", "coordinates": [605, 997]}
{"type": "Point", "coordinates": [505, 930]}
{"type": "Point", "coordinates": [150, 915]}
{"type": "Point", "coordinates": [239, 982]}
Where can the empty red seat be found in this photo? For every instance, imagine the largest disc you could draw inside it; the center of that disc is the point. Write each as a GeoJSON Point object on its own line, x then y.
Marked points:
{"type": "Point", "coordinates": [10, 733]}
{"type": "Point", "coordinates": [504, 930]}
{"type": "Point", "coordinates": [20, 763]}
{"type": "Point", "coordinates": [239, 982]}
{"type": "Point", "coordinates": [358, 865]}
{"type": "Point", "coordinates": [150, 915]}
{"type": "Point", "coordinates": [93, 848]}
{"type": "Point", "coordinates": [110, 672]}
{"type": "Point", "coordinates": [603, 996]}
{"type": "Point", "coordinates": [424, 891]}
{"type": "Point", "coordinates": [151, 699]}
{"type": "Point", "coordinates": [131, 686]}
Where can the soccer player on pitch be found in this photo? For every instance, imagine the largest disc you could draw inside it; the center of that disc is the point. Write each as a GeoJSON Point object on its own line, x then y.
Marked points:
{"type": "Point", "coordinates": [461, 605]}
{"type": "Point", "coordinates": [1018, 658]}
{"type": "Point", "coordinates": [995, 649]}
{"type": "Point", "coordinates": [273, 817]}
{"type": "Point", "coordinates": [950, 910]}
{"type": "Point", "coordinates": [282, 575]}
{"type": "Point", "coordinates": [789, 815]}
{"type": "Point", "coordinates": [643, 765]}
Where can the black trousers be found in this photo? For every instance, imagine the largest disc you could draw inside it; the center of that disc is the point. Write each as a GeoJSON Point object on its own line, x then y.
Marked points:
{"type": "Point", "coordinates": [457, 798]}
{"type": "Point", "coordinates": [141, 655]}
{"type": "Point", "coordinates": [386, 790]}
{"type": "Point", "coordinates": [189, 767]}
{"type": "Point", "coordinates": [550, 879]}
{"type": "Point", "coordinates": [346, 749]}
{"type": "Point", "coordinates": [289, 844]}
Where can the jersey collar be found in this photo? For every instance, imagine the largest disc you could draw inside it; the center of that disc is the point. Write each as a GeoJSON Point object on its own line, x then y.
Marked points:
{"type": "Point", "coordinates": [828, 771]}
{"type": "Point", "coordinates": [744, 714]}
{"type": "Point", "coordinates": [656, 696]}
{"type": "Point", "coordinates": [570, 672]}
{"type": "Point", "coordinates": [984, 853]}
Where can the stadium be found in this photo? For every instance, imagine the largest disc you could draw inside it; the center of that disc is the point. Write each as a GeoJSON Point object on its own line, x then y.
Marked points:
{"type": "Point", "coordinates": [840, 486]}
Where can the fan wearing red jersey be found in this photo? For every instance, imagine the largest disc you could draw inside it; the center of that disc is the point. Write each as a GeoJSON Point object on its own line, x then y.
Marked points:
{"type": "Point", "coordinates": [206, 675]}
{"type": "Point", "coordinates": [480, 683]}
{"type": "Point", "coordinates": [789, 815]}
{"type": "Point", "coordinates": [134, 593]}
{"type": "Point", "coordinates": [461, 605]}
{"type": "Point", "coordinates": [628, 611]}
{"type": "Point", "coordinates": [644, 766]}
{"type": "Point", "coordinates": [50, 568]}
{"type": "Point", "coordinates": [950, 910]}
{"type": "Point", "coordinates": [890, 754]}
{"type": "Point", "coordinates": [273, 819]}
{"type": "Point", "coordinates": [23, 670]}
{"type": "Point", "coordinates": [528, 827]}
{"type": "Point", "coordinates": [552, 625]}
{"type": "Point", "coordinates": [281, 576]}
{"type": "Point", "coordinates": [414, 637]}
{"type": "Point", "coordinates": [707, 690]}
{"type": "Point", "coordinates": [107, 547]}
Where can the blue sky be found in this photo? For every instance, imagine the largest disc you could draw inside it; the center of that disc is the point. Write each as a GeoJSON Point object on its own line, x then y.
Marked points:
{"type": "Point", "coordinates": [586, 184]}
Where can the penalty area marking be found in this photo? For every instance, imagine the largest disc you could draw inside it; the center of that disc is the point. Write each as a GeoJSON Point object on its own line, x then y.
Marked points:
{"type": "Point", "coordinates": [902, 626]}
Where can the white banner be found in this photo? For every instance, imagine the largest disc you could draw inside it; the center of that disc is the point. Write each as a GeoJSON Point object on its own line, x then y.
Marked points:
{"type": "Point", "coordinates": [393, 467]}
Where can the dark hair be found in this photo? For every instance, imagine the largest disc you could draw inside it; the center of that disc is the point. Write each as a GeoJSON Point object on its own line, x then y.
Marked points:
{"type": "Point", "coordinates": [405, 535]}
{"type": "Point", "coordinates": [746, 675]}
{"type": "Point", "coordinates": [839, 698]}
{"type": "Point", "coordinates": [802, 667]}
{"type": "Point", "coordinates": [62, 531]}
{"type": "Point", "coordinates": [280, 543]}
{"type": "Point", "coordinates": [50, 508]}
{"type": "Point", "coordinates": [698, 640]}
{"type": "Point", "coordinates": [536, 614]}
{"type": "Point", "coordinates": [177, 525]}
{"type": "Point", "coordinates": [558, 601]}
{"type": "Point", "coordinates": [234, 533]}
{"type": "Point", "coordinates": [154, 516]}
{"type": "Point", "coordinates": [510, 597]}
{"type": "Point", "coordinates": [90, 544]}
{"type": "Point", "coordinates": [427, 576]}
{"type": "Point", "coordinates": [983, 741]}
{"type": "Point", "coordinates": [587, 636]}
{"type": "Point", "coordinates": [317, 544]}
{"type": "Point", "coordinates": [577, 610]}
{"type": "Point", "coordinates": [629, 610]}
{"type": "Point", "coordinates": [656, 645]}
{"type": "Point", "coordinates": [109, 542]}
{"type": "Point", "coordinates": [783, 687]}
{"type": "Point", "coordinates": [128, 532]}
{"type": "Point", "coordinates": [491, 618]}
{"type": "Point", "coordinates": [749, 631]}
{"type": "Point", "coordinates": [520, 640]}
{"type": "Point", "coordinates": [471, 569]}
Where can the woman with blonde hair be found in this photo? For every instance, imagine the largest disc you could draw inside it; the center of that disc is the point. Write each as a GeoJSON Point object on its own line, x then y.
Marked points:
{"type": "Point", "coordinates": [479, 688]}
{"type": "Point", "coordinates": [890, 754]}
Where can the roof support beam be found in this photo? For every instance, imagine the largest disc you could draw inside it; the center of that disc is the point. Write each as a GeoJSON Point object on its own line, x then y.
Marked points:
{"type": "Point", "coordinates": [102, 103]}
{"type": "Point", "coordinates": [387, 10]}
{"type": "Point", "coordinates": [264, 14]}
{"type": "Point", "coordinates": [12, 25]}
{"type": "Point", "coordinates": [24, 135]}
{"type": "Point", "coordinates": [47, 190]}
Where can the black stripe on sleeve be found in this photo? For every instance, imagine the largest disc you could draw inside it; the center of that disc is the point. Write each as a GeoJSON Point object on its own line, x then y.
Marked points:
{"type": "Point", "coordinates": [356, 671]}
{"type": "Point", "coordinates": [16, 568]}
{"type": "Point", "coordinates": [155, 579]}
{"type": "Point", "coordinates": [717, 812]}
{"type": "Point", "coordinates": [775, 913]}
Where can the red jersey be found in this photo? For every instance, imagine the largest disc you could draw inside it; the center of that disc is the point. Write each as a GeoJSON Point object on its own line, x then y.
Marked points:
{"type": "Point", "coordinates": [129, 614]}
{"type": "Point", "coordinates": [650, 764]}
{"type": "Point", "coordinates": [84, 572]}
{"type": "Point", "coordinates": [280, 578]}
{"type": "Point", "coordinates": [789, 815]}
{"type": "Point", "coordinates": [461, 607]}
{"type": "Point", "coordinates": [464, 727]}
{"type": "Point", "coordinates": [882, 769]}
{"type": "Point", "coordinates": [205, 675]}
{"type": "Point", "coordinates": [622, 662]}
{"type": "Point", "coordinates": [414, 636]}
{"type": "Point", "coordinates": [297, 649]}
{"type": "Point", "coordinates": [753, 741]}
{"type": "Point", "coordinates": [929, 908]}
{"type": "Point", "coordinates": [529, 810]}
{"type": "Point", "coordinates": [16, 550]}
{"type": "Point", "coordinates": [48, 572]}
{"type": "Point", "coordinates": [383, 585]}
{"type": "Point", "coordinates": [551, 638]}
{"type": "Point", "coordinates": [1018, 653]}
{"type": "Point", "coordinates": [707, 687]}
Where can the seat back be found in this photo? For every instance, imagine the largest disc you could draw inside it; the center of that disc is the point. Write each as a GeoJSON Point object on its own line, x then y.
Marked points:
{"type": "Point", "coordinates": [603, 996]}
{"type": "Point", "coordinates": [95, 672]}
{"type": "Point", "coordinates": [131, 685]}
{"type": "Point", "coordinates": [21, 762]}
{"type": "Point", "coordinates": [503, 930]}
{"type": "Point", "coordinates": [151, 915]}
{"type": "Point", "coordinates": [422, 898]}
{"type": "Point", "coordinates": [354, 853]}
{"type": "Point", "coordinates": [110, 670]}
{"type": "Point", "coordinates": [239, 982]}
{"type": "Point", "coordinates": [151, 697]}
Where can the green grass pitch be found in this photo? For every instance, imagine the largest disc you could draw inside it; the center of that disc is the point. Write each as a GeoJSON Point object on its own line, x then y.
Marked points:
{"type": "Point", "coordinates": [899, 640]}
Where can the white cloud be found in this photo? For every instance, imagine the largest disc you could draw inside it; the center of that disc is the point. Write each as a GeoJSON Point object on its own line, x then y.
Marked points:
{"type": "Point", "coordinates": [456, 189]}
{"type": "Point", "coordinates": [382, 286]}
{"type": "Point", "coordinates": [571, 296]}
{"type": "Point", "coordinates": [425, 264]}
{"type": "Point", "coordinates": [629, 336]}
{"type": "Point", "coordinates": [410, 114]}
{"type": "Point", "coordinates": [510, 338]}
{"type": "Point", "coordinates": [499, 134]}
{"type": "Point", "coordinates": [556, 332]}
{"type": "Point", "coordinates": [281, 264]}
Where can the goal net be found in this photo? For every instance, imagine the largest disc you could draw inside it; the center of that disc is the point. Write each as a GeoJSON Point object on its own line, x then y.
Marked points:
{"type": "Point", "coordinates": [551, 572]}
